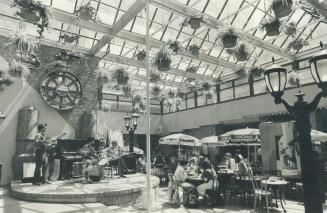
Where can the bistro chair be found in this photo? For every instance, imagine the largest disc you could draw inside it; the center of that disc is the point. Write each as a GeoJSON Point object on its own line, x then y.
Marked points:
{"type": "Point", "coordinates": [174, 194]}
{"type": "Point", "coordinates": [260, 191]}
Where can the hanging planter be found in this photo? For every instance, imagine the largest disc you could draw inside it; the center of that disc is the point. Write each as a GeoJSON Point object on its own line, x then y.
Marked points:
{"type": "Point", "coordinates": [121, 76]}
{"type": "Point", "coordinates": [189, 79]}
{"type": "Point", "coordinates": [163, 59]}
{"type": "Point", "coordinates": [20, 44]}
{"type": "Point", "coordinates": [256, 72]}
{"type": "Point", "coordinates": [194, 21]}
{"type": "Point", "coordinates": [290, 29]}
{"type": "Point", "coordinates": [219, 80]}
{"type": "Point", "coordinates": [297, 44]}
{"type": "Point", "coordinates": [174, 46]}
{"type": "Point", "coordinates": [241, 53]}
{"type": "Point", "coordinates": [69, 38]}
{"type": "Point", "coordinates": [195, 50]}
{"type": "Point", "coordinates": [191, 69]}
{"type": "Point", "coordinates": [103, 79]}
{"type": "Point", "coordinates": [272, 27]}
{"type": "Point", "coordinates": [206, 86]}
{"type": "Point", "coordinates": [229, 38]}
{"type": "Point", "coordinates": [208, 94]}
{"type": "Point", "coordinates": [171, 94]}
{"type": "Point", "coordinates": [192, 88]}
{"type": "Point", "coordinates": [156, 90]}
{"type": "Point", "coordinates": [282, 8]}
{"type": "Point", "coordinates": [141, 55]}
{"type": "Point", "coordinates": [241, 73]}
{"type": "Point", "coordinates": [29, 15]}
{"type": "Point", "coordinates": [180, 94]}
{"type": "Point", "coordinates": [69, 57]}
{"type": "Point", "coordinates": [18, 69]}
{"type": "Point", "coordinates": [86, 12]}
{"type": "Point", "coordinates": [154, 77]}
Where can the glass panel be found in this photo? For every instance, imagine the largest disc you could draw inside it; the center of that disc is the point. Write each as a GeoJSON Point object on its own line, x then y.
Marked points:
{"type": "Point", "coordinates": [321, 68]}
{"type": "Point", "coordinates": [242, 91]}
{"type": "Point", "coordinates": [226, 94]}
{"type": "Point", "coordinates": [259, 87]}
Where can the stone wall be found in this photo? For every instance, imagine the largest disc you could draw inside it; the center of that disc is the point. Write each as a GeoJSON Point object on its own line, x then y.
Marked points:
{"type": "Point", "coordinates": [84, 72]}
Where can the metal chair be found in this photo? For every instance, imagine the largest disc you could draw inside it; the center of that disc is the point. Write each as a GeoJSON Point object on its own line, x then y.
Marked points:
{"type": "Point", "coordinates": [259, 192]}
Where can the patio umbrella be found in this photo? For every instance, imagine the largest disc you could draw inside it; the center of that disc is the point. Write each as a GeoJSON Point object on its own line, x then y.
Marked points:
{"type": "Point", "coordinates": [213, 141]}
{"type": "Point", "coordinates": [180, 139]}
{"type": "Point", "coordinates": [247, 135]}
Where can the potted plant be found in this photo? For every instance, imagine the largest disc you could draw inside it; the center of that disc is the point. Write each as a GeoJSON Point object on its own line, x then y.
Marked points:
{"type": "Point", "coordinates": [193, 21]}
{"type": "Point", "coordinates": [180, 94]}
{"type": "Point", "coordinates": [241, 53]}
{"type": "Point", "coordinates": [191, 69]}
{"type": "Point", "coordinates": [18, 69]}
{"type": "Point", "coordinates": [297, 44]}
{"type": "Point", "coordinates": [256, 71]}
{"type": "Point", "coordinates": [206, 86]}
{"type": "Point", "coordinates": [271, 26]}
{"type": "Point", "coordinates": [154, 77]}
{"type": "Point", "coordinates": [121, 76]}
{"type": "Point", "coordinates": [86, 12]}
{"type": "Point", "coordinates": [69, 37]}
{"type": "Point", "coordinates": [195, 49]}
{"type": "Point", "coordinates": [30, 59]}
{"type": "Point", "coordinates": [208, 94]}
{"type": "Point", "coordinates": [163, 59]}
{"type": "Point", "coordinates": [290, 29]}
{"type": "Point", "coordinates": [241, 73]}
{"type": "Point", "coordinates": [282, 8]}
{"type": "Point", "coordinates": [141, 55]}
{"type": "Point", "coordinates": [33, 11]}
{"type": "Point", "coordinates": [174, 46]}
{"type": "Point", "coordinates": [19, 43]}
{"type": "Point", "coordinates": [229, 38]}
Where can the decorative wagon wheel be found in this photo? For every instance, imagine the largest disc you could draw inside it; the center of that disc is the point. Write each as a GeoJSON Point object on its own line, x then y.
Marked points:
{"type": "Point", "coordinates": [61, 90]}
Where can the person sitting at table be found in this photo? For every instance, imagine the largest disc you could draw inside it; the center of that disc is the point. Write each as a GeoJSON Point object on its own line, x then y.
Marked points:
{"type": "Point", "coordinates": [180, 176]}
{"type": "Point", "coordinates": [230, 162]}
{"type": "Point", "coordinates": [242, 167]}
{"type": "Point", "coordinates": [192, 168]}
{"type": "Point", "coordinates": [208, 177]}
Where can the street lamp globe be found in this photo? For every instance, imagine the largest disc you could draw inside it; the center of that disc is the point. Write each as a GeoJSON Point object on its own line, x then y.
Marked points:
{"type": "Point", "coordinates": [127, 121]}
{"type": "Point", "coordinates": [135, 119]}
{"type": "Point", "coordinates": [276, 78]}
{"type": "Point", "coordinates": [318, 64]}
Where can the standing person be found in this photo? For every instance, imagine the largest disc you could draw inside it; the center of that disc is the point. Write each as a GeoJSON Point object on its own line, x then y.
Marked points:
{"type": "Point", "coordinates": [41, 143]}
{"type": "Point", "coordinates": [242, 167]}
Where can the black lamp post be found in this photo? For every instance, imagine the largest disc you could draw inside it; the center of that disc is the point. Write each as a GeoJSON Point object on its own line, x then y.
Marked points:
{"type": "Point", "coordinates": [275, 78]}
{"type": "Point", "coordinates": [131, 123]}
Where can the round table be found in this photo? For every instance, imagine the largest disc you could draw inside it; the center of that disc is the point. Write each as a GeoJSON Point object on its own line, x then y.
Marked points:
{"type": "Point", "coordinates": [277, 186]}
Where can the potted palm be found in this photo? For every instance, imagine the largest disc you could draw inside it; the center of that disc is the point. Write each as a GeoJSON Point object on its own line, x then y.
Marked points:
{"type": "Point", "coordinates": [121, 76]}
{"type": "Point", "coordinates": [69, 37]}
{"type": "Point", "coordinates": [193, 21]}
{"type": "Point", "coordinates": [33, 11]}
{"type": "Point", "coordinates": [229, 38]}
{"type": "Point", "coordinates": [86, 12]}
{"type": "Point", "coordinates": [141, 55]}
{"type": "Point", "coordinates": [18, 69]}
{"type": "Point", "coordinates": [271, 26]}
{"type": "Point", "coordinates": [297, 44]}
{"type": "Point", "coordinates": [154, 77]}
{"type": "Point", "coordinates": [195, 49]}
{"type": "Point", "coordinates": [282, 8]}
{"type": "Point", "coordinates": [174, 46]}
{"type": "Point", "coordinates": [241, 53]}
{"type": "Point", "coordinates": [191, 69]}
{"type": "Point", "coordinates": [163, 59]}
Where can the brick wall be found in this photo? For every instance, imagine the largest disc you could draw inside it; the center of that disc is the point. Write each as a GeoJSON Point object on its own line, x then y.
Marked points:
{"type": "Point", "coordinates": [84, 72]}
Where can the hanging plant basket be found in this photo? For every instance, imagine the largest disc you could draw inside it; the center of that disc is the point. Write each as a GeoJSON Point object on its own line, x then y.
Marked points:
{"type": "Point", "coordinates": [30, 15]}
{"type": "Point", "coordinates": [206, 86]}
{"type": "Point", "coordinates": [195, 22]}
{"type": "Point", "coordinates": [18, 69]}
{"type": "Point", "coordinates": [189, 79]}
{"type": "Point", "coordinates": [171, 94]}
{"type": "Point", "coordinates": [86, 12]}
{"type": "Point", "coordinates": [241, 53]}
{"type": "Point", "coordinates": [208, 94]}
{"type": "Point", "coordinates": [154, 77]}
{"type": "Point", "coordinates": [69, 38]}
{"type": "Point", "coordinates": [195, 50]}
{"type": "Point", "coordinates": [192, 88]}
{"type": "Point", "coordinates": [272, 27]}
{"type": "Point", "coordinates": [180, 94]}
{"type": "Point", "coordinates": [256, 72]}
{"type": "Point", "coordinates": [191, 69]}
{"type": "Point", "coordinates": [282, 8]}
{"type": "Point", "coordinates": [20, 44]}
{"type": "Point", "coordinates": [33, 11]}
{"type": "Point", "coordinates": [297, 44]}
{"type": "Point", "coordinates": [290, 29]}
{"type": "Point", "coordinates": [141, 55]}
{"type": "Point", "coordinates": [174, 46]}
{"type": "Point", "coordinates": [103, 79]}
{"type": "Point", "coordinates": [241, 73]}
{"type": "Point", "coordinates": [137, 98]}
{"type": "Point", "coordinates": [121, 76]}
{"type": "Point", "coordinates": [163, 59]}
{"type": "Point", "coordinates": [229, 38]}
{"type": "Point", "coordinates": [156, 90]}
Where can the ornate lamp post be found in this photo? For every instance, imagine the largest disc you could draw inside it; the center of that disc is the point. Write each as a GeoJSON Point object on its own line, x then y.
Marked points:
{"type": "Point", "coordinates": [275, 78]}
{"type": "Point", "coordinates": [131, 123]}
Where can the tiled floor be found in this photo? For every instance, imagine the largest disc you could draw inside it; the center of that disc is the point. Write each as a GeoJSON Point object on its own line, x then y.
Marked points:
{"type": "Point", "coordinates": [10, 205]}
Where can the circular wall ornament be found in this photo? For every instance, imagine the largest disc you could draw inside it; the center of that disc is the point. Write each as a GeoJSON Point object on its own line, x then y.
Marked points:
{"type": "Point", "coordinates": [61, 90]}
